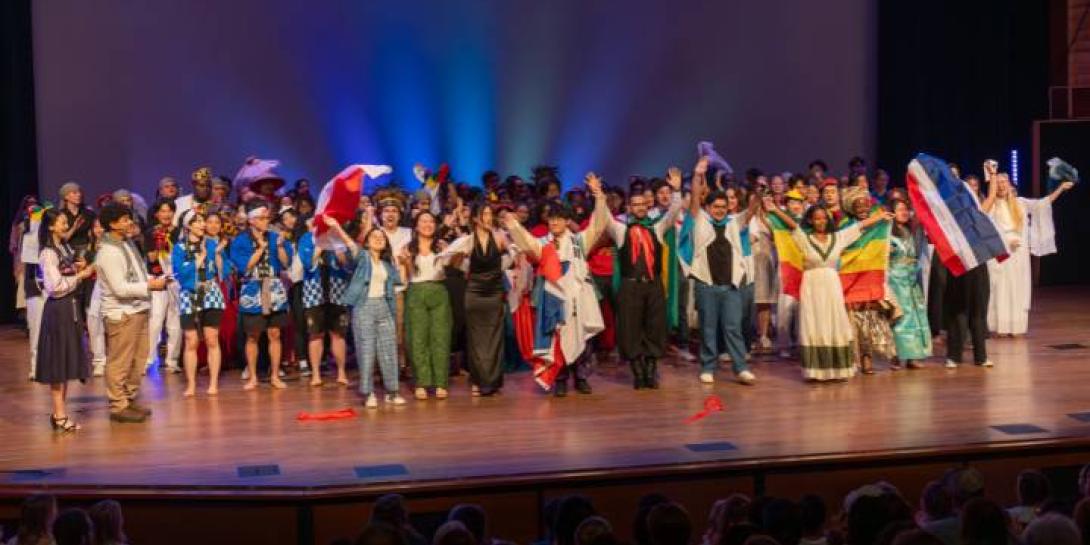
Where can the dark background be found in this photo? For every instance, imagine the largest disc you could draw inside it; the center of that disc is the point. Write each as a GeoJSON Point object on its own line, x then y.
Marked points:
{"type": "Point", "coordinates": [127, 92]}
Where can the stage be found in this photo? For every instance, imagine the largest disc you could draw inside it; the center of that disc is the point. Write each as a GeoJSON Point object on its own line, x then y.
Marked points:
{"type": "Point", "coordinates": [780, 436]}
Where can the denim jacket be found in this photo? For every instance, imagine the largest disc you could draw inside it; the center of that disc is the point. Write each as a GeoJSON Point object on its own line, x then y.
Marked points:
{"type": "Point", "coordinates": [356, 294]}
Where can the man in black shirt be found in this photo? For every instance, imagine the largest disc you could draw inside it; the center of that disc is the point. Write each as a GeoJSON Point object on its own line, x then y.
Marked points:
{"type": "Point", "coordinates": [80, 218]}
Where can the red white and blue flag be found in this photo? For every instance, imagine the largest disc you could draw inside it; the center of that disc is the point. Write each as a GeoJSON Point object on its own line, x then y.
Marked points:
{"type": "Point", "coordinates": [964, 236]}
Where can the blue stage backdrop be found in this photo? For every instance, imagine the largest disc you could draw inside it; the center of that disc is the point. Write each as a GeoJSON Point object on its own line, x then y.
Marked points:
{"type": "Point", "coordinates": [130, 91]}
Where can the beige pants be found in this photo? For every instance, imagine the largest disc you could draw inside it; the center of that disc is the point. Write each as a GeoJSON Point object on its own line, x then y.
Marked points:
{"type": "Point", "coordinates": [127, 350]}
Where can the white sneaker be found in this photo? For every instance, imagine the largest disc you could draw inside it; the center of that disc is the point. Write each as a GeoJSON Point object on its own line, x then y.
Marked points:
{"type": "Point", "coordinates": [395, 399]}
{"type": "Point", "coordinates": [765, 343]}
{"type": "Point", "coordinates": [99, 370]}
{"type": "Point", "coordinates": [951, 365]}
{"type": "Point", "coordinates": [747, 378]}
{"type": "Point", "coordinates": [246, 373]}
{"type": "Point", "coordinates": [372, 402]}
{"type": "Point", "coordinates": [707, 378]}
{"type": "Point", "coordinates": [987, 363]}
{"type": "Point", "coordinates": [725, 358]}
{"type": "Point", "coordinates": [281, 374]}
{"type": "Point", "coordinates": [785, 355]}
{"type": "Point", "coordinates": [304, 368]}
{"type": "Point", "coordinates": [685, 355]}
{"type": "Point", "coordinates": [173, 369]}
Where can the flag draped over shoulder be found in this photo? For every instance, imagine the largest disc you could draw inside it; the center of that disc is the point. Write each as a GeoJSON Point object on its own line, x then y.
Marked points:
{"type": "Point", "coordinates": [964, 236]}
{"type": "Point", "coordinates": [863, 265]}
{"type": "Point", "coordinates": [790, 256]}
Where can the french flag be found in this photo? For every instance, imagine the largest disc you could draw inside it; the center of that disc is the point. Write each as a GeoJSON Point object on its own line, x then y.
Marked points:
{"type": "Point", "coordinates": [964, 236]}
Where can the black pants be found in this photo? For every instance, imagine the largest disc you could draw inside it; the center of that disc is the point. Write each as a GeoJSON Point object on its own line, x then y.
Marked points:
{"type": "Point", "coordinates": [641, 319]}
{"type": "Point", "coordinates": [966, 307]}
{"type": "Point", "coordinates": [300, 343]}
{"type": "Point", "coordinates": [936, 285]}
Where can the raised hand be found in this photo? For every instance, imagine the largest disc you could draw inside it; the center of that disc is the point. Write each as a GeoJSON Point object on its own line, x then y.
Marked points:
{"type": "Point", "coordinates": [673, 178]}
{"type": "Point", "coordinates": [701, 167]}
{"type": "Point", "coordinates": [1067, 186]}
{"type": "Point", "coordinates": [593, 183]}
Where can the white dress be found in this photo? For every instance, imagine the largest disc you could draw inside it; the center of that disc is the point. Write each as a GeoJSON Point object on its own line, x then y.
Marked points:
{"type": "Point", "coordinates": [1011, 283]}
{"type": "Point", "coordinates": [825, 332]}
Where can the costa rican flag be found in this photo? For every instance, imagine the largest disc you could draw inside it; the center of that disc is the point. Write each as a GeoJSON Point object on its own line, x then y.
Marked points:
{"type": "Point", "coordinates": [964, 236]}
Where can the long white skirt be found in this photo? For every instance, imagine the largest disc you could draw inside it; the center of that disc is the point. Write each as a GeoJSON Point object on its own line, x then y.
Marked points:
{"type": "Point", "coordinates": [825, 332]}
{"type": "Point", "coordinates": [1008, 306]}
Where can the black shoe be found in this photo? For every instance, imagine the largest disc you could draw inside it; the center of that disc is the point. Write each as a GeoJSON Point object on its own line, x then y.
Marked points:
{"type": "Point", "coordinates": [140, 408]}
{"type": "Point", "coordinates": [560, 389]}
{"type": "Point", "coordinates": [650, 373]}
{"type": "Point", "coordinates": [128, 415]}
{"type": "Point", "coordinates": [582, 386]}
{"type": "Point", "coordinates": [637, 374]}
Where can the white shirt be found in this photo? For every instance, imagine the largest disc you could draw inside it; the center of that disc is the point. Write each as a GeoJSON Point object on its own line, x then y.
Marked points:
{"type": "Point", "coordinates": [704, 236]}
{"type": "Point", "coordinates": [124, 279]}
{"type": "Point", "coordinates": [429, 268]}
{"type": "Point", "coordinates": [399, 238]}
{"type": "Point", "coordinates": [377, 288]}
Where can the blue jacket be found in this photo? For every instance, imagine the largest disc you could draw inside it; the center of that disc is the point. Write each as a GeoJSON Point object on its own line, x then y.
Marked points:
{"type": "Point", "coordinates": [185, 270]}
{"type": "Point", "coordinates": [250, 297]}
{"type": "Point", "coordinates": [356, 294]}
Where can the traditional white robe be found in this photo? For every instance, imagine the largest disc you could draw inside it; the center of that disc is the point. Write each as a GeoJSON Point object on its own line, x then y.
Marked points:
{"type": "Point", "coordinates": [1011, 282]}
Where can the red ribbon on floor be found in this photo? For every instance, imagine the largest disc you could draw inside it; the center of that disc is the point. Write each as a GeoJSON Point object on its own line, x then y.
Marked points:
{"type": "Point", "coordinates": [711, 404]}
{"type": "Point", "coordinates": [347, 412]}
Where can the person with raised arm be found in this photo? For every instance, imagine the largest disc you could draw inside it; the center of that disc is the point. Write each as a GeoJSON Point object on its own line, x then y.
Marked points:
{"type": "Point", "coordinates": [825, 331]}
{"type": "Point", "coordinates": [568, 312]}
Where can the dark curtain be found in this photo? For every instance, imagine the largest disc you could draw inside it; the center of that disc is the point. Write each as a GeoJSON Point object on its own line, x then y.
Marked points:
{"type": "Point", "coordinates": [18, 151]}
{"type": "Point", "coordinates": [960, 80]}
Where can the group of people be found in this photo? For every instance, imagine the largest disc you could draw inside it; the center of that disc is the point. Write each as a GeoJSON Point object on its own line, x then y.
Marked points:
{"type": "Point", "coordinates": [454, 276]}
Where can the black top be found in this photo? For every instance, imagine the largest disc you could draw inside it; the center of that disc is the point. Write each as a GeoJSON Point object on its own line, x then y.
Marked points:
{"type": "Point", "coordinates": [721, 257]}
{"type": "Point", "coordinates": [487, 260]}
{"type": "Point", "coordinates": [81, 237]}
{"type": "Point", "coordinates": [638, 270]}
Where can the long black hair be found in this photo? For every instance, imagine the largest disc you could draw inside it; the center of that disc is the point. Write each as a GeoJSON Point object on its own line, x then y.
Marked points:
{"type": "Point", "coordinates": [414, 243]}
{"type": "Point", "coordinates": [159, 204]}
{"type": "Point", "coordinates": [901, 231]}
{"type": "Point", "coordinates": [45, 233]}
{"type": "Point", "coordinates": [808, 218]}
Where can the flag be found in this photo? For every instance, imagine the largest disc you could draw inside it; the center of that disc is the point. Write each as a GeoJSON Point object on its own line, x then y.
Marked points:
{"type": "Point", "coordinates": [863, 265]}
{"type": "Point", "coordinates": [790, 256]}
{"type": "Point", "coordinates": [963, 235]}
{"type": "Point", "coordinates": [340, 198]}
{"type": "Point", "coordinates": [1060, 172]}
{"type": "Point", "coordinates": [547, 299]}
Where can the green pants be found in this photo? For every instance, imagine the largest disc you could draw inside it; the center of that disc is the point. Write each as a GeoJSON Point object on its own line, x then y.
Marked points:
{"type": "Point", "coordinates": [427, 311]}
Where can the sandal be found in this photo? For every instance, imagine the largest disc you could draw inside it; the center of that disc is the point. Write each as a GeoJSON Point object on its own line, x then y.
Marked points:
{"type": "Point", "coordinates": [63, 425]}
{"type": "Point", "coordinates": [440, 393]}
{"type": "Point", "coordinates": [421, 394]}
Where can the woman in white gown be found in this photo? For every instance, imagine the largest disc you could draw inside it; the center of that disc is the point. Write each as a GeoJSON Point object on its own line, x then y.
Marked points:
{"type": "Point", "coordinates": [825, 331]}
{"type": "Point", "coordinates": [1026, 225]}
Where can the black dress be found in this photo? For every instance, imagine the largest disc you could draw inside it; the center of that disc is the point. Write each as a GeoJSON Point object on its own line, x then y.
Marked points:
{"type": "Point", "coordinates": [62, 349]}
{"type": "Point", "coordinates": [484, 317]}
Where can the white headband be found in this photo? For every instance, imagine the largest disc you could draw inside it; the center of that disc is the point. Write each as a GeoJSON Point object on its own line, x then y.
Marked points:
{"type": "Point", "coordinates": [256, 212]}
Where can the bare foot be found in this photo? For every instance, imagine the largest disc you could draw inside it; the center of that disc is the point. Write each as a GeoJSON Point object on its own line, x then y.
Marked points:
{"type": "Point", "coordinates": [249, 384]}
{"type": "Point", "coordinates": [213, 390]}
{"type": "Point", "coordinates": [342, 380]}
{"type": "Point", "coordinates": [189, 392]}
{"type": "Point", "coordinates": [278, 384]}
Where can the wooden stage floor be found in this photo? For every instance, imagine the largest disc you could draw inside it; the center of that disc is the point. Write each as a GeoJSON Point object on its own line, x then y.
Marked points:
{"type": "Point", "coordinates": [200, 444]}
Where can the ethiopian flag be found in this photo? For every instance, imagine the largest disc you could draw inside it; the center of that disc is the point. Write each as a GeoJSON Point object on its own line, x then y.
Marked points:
{"type": "Point", "coordinates": [790, 256]}
{"type": "Point", "coordinates": [863, 264]}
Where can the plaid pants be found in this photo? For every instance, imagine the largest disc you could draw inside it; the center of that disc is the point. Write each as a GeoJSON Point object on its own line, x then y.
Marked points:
{"type": "Point", "coordinates": [375, 335]}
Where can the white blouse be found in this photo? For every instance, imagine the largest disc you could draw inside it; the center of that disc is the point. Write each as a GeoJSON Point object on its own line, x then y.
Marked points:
{"type": "Point", "coordinates": [377, 288]}
{"type": "Point", "coordinates": [429, 268]}
{"type": "Point", "coordinates": [56, 285]}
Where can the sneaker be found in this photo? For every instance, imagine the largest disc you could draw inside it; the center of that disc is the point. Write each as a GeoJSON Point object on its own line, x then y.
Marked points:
{"type": "Point", "coordinates": [986, 363]}
{"type": "Point", "coordinates": [304, 368]}
{"type": "Point", "coordinates": [560, 389]}
{"type": "Point", "coordinates": [685, 355]}
{"type": "Point", "coordinates": [582, 386]}
{"type": "Point", "coordinates": [173, 369]}
{"type": "Point", "coordinates": [765, 344]}
{"type": "Point", "coordinates": [128, 415]}
{"type": "Point", "coordinates": [395, 399]}
{"type": "Point", "coordinates": [950, 364]}
{"type": "Point", "coordinates": [707, 378]}
{"type": "Point", "coordinates": [785, 355]}
{"type": "Point", "coordinates": [372, 401]}
{"type": "Point", "coordinates": [99, 370]}
{"type": "Point", "coordinates": [246, 373]}
{"type": "Point", "coordinates": [725, 358]}
{"type": "Point", "coordinates": [746, 377]}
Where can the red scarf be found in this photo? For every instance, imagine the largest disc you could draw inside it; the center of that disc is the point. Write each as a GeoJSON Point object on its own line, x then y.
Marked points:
{"type": "Point", "coordinates": [642, 245]}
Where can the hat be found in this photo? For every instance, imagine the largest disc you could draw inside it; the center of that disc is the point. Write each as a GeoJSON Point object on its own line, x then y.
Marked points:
{"type": "Point", "coordinates": [221, 181]}
{"type": "Point", "coordinates": [794, 195]}
{"type": "Point", "coordinates": [69, 187]}
{"type": "Point", "coordinates": [203, 174]}
{"type": "Point", "coordinates": [830, 182]}
{"type": "Point", "coordinates": [167, 180]}
{"type": "Point", "coordinates": [257, 173]}
{"type": "Point", "coordinates": [389, 196]}
{"type": "Point", "coordinates": [849, 195]}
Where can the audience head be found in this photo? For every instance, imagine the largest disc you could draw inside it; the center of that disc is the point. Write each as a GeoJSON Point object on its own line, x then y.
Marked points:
{"type": "Point", "coordinates": [983, 522]}
{"type": "Point", "coordinates": [36, 518]}
{"type": "Point", "coordinates": [814, 514]}
{"type": "Point", "coordinates": [591, 531]}
{"type": "Point", "coordinates": [380, 533]}
{"type": "Point", "coordinates": [935, 501]}
{"type": "Point", "coordinates": [454, 532]}
{"type": "Point", "coordinates": [964, 484]}
{"type": "Point", "coordinates": [639, 523]}
{"type": "Point", "coordinates": [738, 534]}
{"type": "Point", "coordinates": [1082, 519]}
{"type": "Point", "coordinates": [390, 509]}
{"type": "Point", "coordinates": [916, 537]}
{"type": "Point", "coordinates": [573, 510]}
{"type": "Point", "coordinates": [783, 520]}
{"type": "Point", "coordinates": [761, 539]}
{"type": "Point", "coordinates": [108, 521]}
{"type": "Point", "coordinates": [73, 527]}
{"type": "Point", "coordinates": [870, 509]}
{"type": "Point", "coordinates": [1033, 488]}
{"type": "Point", "coordinates": [669, 524]}
{"type": "Point", "coordinates": [1051, 529]}
{"type": "Point", "coordinates": [473, 518]}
